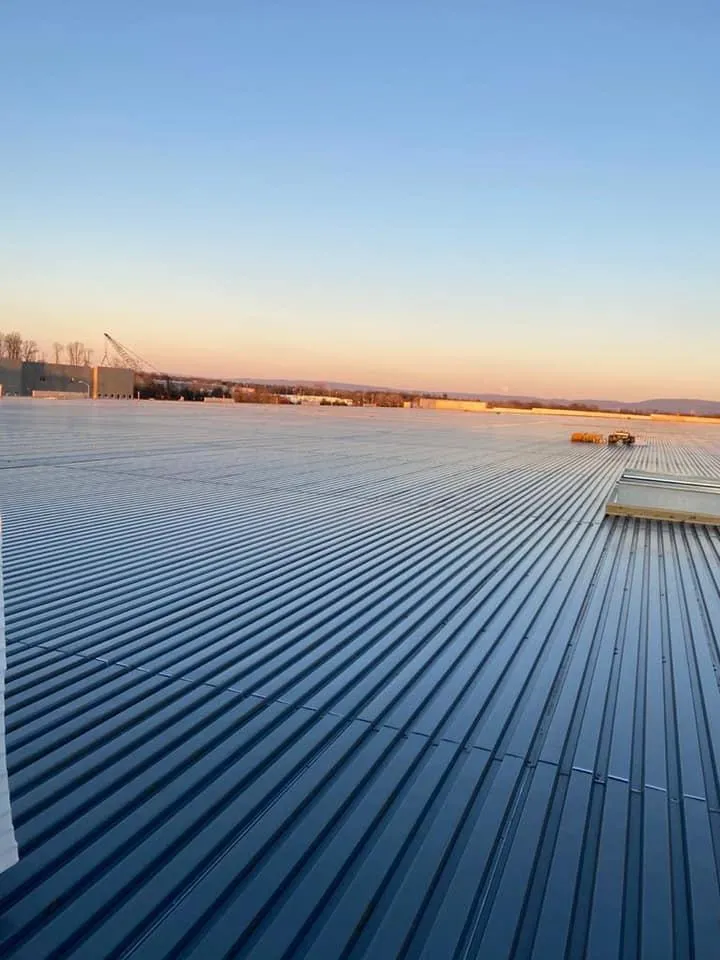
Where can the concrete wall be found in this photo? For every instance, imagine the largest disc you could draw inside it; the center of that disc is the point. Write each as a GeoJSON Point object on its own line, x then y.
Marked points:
{"type": "Point", "coordinates": [116, 383]}
{"type": "Point", "coordinates": [56, 378]}
{"type": "Point", "coordinates": [11, 377]}
{"type": "Point", "coordinates": [437, 403]}
{"type": "Point", "coordinates": [58, 395]}
{"type": "Point", "coordinates": [29, 379]}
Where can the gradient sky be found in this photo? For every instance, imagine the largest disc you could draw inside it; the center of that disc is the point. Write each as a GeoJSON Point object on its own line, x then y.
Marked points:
{"type": "Point", "coordinates": [478, 195]}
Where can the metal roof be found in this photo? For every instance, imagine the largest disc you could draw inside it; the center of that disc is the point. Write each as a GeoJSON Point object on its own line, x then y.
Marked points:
{"type": "Point", "coordinates": [354, 683]}
{"type": "Point", "coordinates": [8, 846]}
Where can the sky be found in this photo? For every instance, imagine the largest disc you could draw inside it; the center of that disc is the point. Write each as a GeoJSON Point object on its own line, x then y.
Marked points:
{"type": "Point", "coordinates": [513, 196]}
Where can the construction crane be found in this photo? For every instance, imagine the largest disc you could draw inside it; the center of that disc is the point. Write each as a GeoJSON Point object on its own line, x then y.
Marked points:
{"type": "Point", "coordinates": [123, 356]}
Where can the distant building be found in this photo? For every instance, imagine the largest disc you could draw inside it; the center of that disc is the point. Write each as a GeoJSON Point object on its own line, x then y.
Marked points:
{"type": "Point", "coordinates": [442, 403]}
{"type": "Point", "coordinates": [11, 372]}
{"type": "Point", "coordinates": [113, 383]}
{"type": "Point", "coordinates": [31, 379]}
{"type": "Point", "coordinates": [316, 399]}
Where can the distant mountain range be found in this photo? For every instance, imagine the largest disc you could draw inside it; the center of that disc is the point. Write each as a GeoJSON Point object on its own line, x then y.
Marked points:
{"type": "Point", "coordinates": [683, 405]}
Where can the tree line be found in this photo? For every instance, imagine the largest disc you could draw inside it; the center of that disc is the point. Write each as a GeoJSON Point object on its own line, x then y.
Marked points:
{"type": "Point", "coordinates": [150, 388]}
{"type": "Point", "coordinates": [13, 346]}
{"type": "Point", "coordinates": [278, 393]}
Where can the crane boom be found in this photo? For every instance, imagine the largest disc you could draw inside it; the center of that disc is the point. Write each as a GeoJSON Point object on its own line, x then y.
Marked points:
{"type": "Point", "coordinates": [141, 368]}
{"type": "Point", "coordinates": [128, 357]}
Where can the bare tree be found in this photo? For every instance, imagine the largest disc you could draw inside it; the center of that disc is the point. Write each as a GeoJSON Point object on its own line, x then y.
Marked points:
{"type": "Point", "coordinates": [13, 345]}
{"type": "Point", "coordinates": [58, 349]}
{"type": "Point", "coordinates": [76, 353]}
{"type": "Point", "coordinates": [87, 356]}
{"type": "Point", "coordinates": [2, 345]}
{"type": "Point", "coordinates": [28, 350]}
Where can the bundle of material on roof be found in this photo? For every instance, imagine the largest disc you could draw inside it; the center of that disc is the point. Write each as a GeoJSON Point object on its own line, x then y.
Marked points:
{"type": "Point", "coordinates": [587, 438]}
{"type": "Point", "coordinates": [8, 846]}
{"type": "Point", "coordinates": [657, 496]}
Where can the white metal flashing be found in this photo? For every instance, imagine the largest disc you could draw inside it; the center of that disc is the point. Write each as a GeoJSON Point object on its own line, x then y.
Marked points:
{"type": "Point", "coordinates": [658, 496]}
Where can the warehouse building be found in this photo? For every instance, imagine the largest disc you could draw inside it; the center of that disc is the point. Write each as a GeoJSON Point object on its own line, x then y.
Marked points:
{"type": "Point", "coordinates": [11, 372]}
{"type": "Point", "coordinates": [114, 383]}
{"type": "Point", "coordinates": [32, 379]}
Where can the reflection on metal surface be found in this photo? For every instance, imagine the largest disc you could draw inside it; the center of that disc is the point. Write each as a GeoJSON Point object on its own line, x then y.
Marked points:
{"type": "Point", "coordinates": [8, 847]}
{"type": "Point", "coordinates": [657, 496]}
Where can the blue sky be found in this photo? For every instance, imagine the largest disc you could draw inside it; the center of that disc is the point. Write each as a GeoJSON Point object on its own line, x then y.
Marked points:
{"type": "Point", "coordinates": [452, 195]}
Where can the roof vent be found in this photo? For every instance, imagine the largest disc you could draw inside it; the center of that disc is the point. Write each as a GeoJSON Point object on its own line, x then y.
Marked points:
{"type": "Point", "coordinates": [659, 496]}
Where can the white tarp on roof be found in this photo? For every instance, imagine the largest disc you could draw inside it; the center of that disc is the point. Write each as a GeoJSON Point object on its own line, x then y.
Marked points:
{"type": "Point", "coordinates": [8, 846]}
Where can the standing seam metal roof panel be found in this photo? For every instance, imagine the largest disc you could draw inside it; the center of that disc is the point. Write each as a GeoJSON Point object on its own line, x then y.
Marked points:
{"type": "Point", "coordinates": [354, 683]}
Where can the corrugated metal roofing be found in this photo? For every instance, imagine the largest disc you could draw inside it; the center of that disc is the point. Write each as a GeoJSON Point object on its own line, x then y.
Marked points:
{"type": "Point", "coordinates": [354, 683]}
{"type": "Point", "coordinates": [8, 846]}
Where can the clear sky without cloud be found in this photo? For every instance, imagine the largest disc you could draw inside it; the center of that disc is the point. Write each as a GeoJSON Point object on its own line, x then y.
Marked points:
{"type": "Point", "coordinates": [477, 195]}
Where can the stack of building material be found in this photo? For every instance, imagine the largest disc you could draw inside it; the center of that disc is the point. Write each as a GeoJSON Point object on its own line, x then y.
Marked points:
{"type": "Point", "coordinates": [587, 438]}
